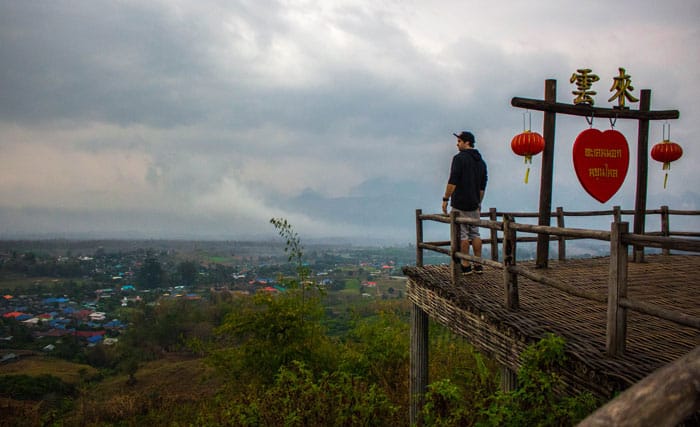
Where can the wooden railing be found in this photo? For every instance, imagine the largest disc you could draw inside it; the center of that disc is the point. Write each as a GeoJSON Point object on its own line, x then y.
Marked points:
{"type": "Point", "coordinates": [617, 300]}
{"type": "Point", "coordinates": [617, 215]}
{"type": "Point", "coordinates": [619, 237]}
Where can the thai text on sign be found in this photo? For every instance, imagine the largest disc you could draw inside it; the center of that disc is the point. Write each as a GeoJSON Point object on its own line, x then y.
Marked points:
{"type": "Point", "coordinates": [601, 160]}
{"type": "Point", "coordinates": [603, 172]}
{"type": "Point", "coordinates": [603, 152]}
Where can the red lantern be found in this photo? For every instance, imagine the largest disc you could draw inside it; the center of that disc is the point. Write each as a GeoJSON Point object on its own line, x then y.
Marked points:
{"type": "Point", "coordinates": [666, 152]}
{"type": "Point", "coordinates": [527, 144]}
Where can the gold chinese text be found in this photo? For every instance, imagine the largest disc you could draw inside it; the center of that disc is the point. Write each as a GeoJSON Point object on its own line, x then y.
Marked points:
{"type": "Point", "coordinates": [584, 81]}
{"type": "Point", "coordinates": [622, 84]}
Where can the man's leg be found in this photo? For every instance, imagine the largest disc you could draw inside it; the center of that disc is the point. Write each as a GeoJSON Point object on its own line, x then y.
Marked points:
{"type": "Point", "coordinates": [464, 247]}
{"type": "Point", "coordinates": [476, 243]}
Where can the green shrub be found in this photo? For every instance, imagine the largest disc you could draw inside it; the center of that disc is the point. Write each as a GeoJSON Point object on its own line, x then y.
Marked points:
{"type": "Point", "coordinates": [444, 405]}
{"type": "Point", "coordinates": [535, 401]}
{"type": "Point", "coordinates": [269, 332]}
{"type": "Point", "coordinates": [298, 398]}
{"type": "Point", "coordinates": [25, 387]}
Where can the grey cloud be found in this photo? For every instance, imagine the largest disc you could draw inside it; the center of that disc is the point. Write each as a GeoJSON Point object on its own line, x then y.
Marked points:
{"type": "Point", "coordinates": [99, 61]}
{"type": "Point", "coordinates": [190, 88]}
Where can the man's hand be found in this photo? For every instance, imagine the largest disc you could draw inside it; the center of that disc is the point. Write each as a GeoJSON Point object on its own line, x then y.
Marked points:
{"type": "Point", "coordinates": [444, 207]}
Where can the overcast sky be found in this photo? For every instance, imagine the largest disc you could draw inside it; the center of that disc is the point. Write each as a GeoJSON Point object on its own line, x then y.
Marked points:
{"type": "Point", "coordinates": [204, 119]}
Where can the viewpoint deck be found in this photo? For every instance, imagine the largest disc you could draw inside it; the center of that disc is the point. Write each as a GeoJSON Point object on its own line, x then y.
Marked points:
{"type": "Point", "coordinates": [474, 309]}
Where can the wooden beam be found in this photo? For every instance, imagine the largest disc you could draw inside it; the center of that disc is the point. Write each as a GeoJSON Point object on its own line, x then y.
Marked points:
{"type": "Point", "coordinates": [640, 199]}
{"type": "Point", "coordinates": [586, 110]}
{"type": "Point", "coordinates": [662, 313]}
{"type": "Point", "coordinates": [616, 335]}
{"type": "Point", "coordinates": [690, 245]}
{"type": "Point", "coordinates": [564, 287]}
{"type": "Point", "coordinates": [509, 379]}
{"type": "Point", "coordinates": [419, 238]}
{"type": "Point", "coordinates": [455, 247]}
{"type": "Point", "coordinates": [419, 361]}
{"type": "Point", "coordinates": [510, 279]}
{"type": "Point", "coordinates": [665, 398]}
{"type": "Point", "coordinates": [547, 174]}
{"type": "Point", "coordinates": [493, 216]}
{"type": "Point", "coordinates": [562, 240]}
{"type": "Point", "coordinates": [665, 227]}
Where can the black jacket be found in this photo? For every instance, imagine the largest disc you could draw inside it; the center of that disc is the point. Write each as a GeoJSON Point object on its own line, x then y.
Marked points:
{"type": "Point", "coordinates": [468, 173]}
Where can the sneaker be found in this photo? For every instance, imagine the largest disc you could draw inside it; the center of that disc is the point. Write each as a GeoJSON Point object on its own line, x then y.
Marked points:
{"type": "Point", "coordinates": [478, 269]}
{"type": "Point", "coordinates": [466, 270]}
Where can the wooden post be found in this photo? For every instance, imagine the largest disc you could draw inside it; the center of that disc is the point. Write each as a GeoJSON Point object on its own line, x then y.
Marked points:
{"type": "Point", "coordinates": [665, 227]}
{"type": "Point", "coordinates": [455, 245]}
{"type": "Point", "coordinates": [640, 201]}
{"type": "Point", "coordinates": [550, 95]}
{"type": "Point", "coordinates": [617, 288]}
{"type": "Point", "coordinates": [419, 238]}
{"type": "Point", "coordinates": [510, 280]}
{"type": "Point", "coordinates": [562, 239]}
{"type": "Point", "coordinates": [509, 379]}
{"type": "Point", "coordinates": [617, 214]}
{"type": "Point", "coordinates": [419, 362]}
{"type": "Point", "coordinates": [493, 216]}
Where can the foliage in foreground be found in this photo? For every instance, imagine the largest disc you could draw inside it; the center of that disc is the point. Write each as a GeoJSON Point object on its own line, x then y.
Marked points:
{"type": "Point", "coordinates": [300, 398]}
{"type": "Point", "coordinates": [25, 387]}
{"type": "Point", "coordinates": [534, 402]}
{"type": "Point", "coordinates": [268, 367]}
{"type": "Point", "coordinates": [272, 362]}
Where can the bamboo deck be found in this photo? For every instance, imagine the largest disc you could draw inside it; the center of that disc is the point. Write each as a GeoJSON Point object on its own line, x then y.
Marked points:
{"type": "Point", "coordinates": [475, 310]}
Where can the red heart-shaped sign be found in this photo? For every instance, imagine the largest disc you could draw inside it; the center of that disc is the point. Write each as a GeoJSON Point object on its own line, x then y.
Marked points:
{"type": "Point", "coordinates": [601, 160]}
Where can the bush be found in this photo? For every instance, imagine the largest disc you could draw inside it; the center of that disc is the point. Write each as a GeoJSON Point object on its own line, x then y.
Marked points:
{"type": "Point", "coordinates": [444, 405]}
{"type": "Point", "coordinates": [25, 387]}
{"type": "Point", "coordinates": [536, 402]}
{"type": "Point", "coordinates": [297, 398]}
{"type": "Point", "coordinates": [269, 332]}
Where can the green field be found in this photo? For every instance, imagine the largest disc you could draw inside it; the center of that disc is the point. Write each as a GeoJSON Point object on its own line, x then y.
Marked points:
{"type": "Point", "coordinates": [15, 282]}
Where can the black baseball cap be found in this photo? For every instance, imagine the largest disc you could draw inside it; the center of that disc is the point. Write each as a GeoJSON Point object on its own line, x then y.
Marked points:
{"type": "Point", "coordinates": [466, 137]}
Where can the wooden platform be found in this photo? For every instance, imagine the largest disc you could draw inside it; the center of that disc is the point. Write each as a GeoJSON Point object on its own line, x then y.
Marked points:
{"type": "Point", "coordinates": [475, 310]}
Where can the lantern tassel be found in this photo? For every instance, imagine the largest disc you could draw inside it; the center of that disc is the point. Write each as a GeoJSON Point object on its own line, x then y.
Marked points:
{"type": "Point", "coordinates": [527, 175]}
{"type": "Point", "coordinates": [667, 167]}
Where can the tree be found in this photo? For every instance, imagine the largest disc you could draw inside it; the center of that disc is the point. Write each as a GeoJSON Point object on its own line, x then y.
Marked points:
{"type": "Point", "coordinates": [293, 247]}
{"type": "Point", "coordinates": [129, 366]}
{"type": "Point", "coordinates": [151, 274]}
{"type": "Point", "coordinates": [188, 272]}
{"type": "Point", "coordinates": [269, 332]}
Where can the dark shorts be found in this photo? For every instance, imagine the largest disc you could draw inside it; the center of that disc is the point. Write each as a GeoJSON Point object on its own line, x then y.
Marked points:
{"type": "Point", "coordinates": [468, 231]}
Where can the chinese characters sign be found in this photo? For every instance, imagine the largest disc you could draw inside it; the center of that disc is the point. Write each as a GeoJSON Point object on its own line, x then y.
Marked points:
{"type": "Point", "coordinates": [584, 79]}
{"type": "Point", "coordinates": [622, 84]}
{"type": "Point", "coordinates": [601, 160]}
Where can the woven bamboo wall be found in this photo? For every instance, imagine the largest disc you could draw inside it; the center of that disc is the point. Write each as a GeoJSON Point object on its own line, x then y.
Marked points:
{"type": "Point", "coordinates": [474, 309]}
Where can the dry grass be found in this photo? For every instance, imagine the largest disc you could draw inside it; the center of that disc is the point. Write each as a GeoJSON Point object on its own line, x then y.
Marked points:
{"type": "Point", "coordinates": [174, 375]}
{"type": "Point", "coordinates": [37, 365]}
{"type": "Point", "coordinates": [162, 386]}
{"type": "Point", "coordinates": [29, 413]}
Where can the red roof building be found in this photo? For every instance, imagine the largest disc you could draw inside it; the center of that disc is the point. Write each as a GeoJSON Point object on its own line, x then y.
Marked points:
{"type": "Point", "coordinates": [12, 314]}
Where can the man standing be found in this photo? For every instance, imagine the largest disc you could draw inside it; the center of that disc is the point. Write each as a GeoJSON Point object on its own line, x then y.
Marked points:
{"type": "Point", "coordinates": [466, 187]}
